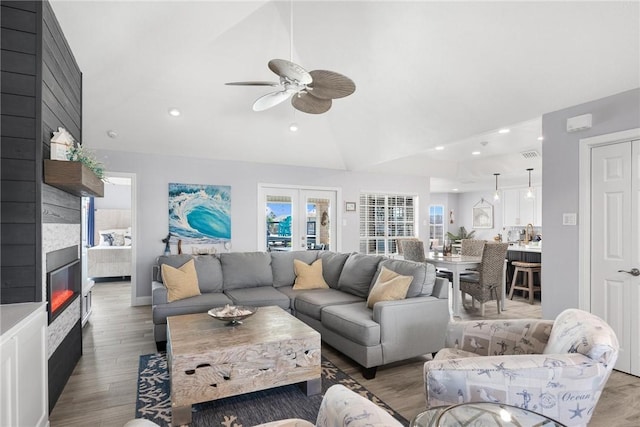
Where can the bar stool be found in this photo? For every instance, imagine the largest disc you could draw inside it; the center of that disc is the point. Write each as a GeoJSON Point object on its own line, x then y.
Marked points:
{"type": "Point", "coordinates": [527, 268]}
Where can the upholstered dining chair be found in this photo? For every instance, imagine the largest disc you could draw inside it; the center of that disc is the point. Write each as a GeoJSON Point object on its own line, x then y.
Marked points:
{"type": "Point", "coordinates": [486, 284]}
{"type": "Point", "coordinates": [399, 241]}
{"type": "Point", "coordinates": [557, 368]}
{"type": "Point", "coordinates": [413, 250]}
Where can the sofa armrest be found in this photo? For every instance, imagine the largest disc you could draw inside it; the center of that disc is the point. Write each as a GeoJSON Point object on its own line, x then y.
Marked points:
{"type": "Point", "coordinates": [499, 337]}
{"type": "Point", "coordinates": [411, 327]}
{"type": "Point", "coordinates": [343, 407]}
{"type": "Point", "coordinates": [441, 288]}
{"type": "Point", "coordinates": [158, 293]}
{"type": "Point", "coordinates": [556, 385]}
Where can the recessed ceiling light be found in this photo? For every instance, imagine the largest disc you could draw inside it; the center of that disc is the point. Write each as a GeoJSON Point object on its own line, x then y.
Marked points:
{"type": "Point", "coordinates": [504, 130]}
{"type": "Point", "coordinates": [174, 112]}
{"type": "Point", "coordinates": [293, 127]}
{"type": "Point", "coordinates": [454, 189]}
{"type": "Point", "coordinates": [440, 148]}
{"type": "Point", "coordinates": [112, 134]}
{"type": "Point", "coordinates": [475, 153]}
{"type": "Point", "coordinates": [540, 138]}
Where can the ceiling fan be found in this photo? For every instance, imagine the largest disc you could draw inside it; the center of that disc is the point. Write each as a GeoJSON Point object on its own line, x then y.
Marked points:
{"type": "Point", "coordinates": [310, 91]}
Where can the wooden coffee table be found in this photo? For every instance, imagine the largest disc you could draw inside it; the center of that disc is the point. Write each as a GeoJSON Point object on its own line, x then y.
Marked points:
{"type": "Point", "coordinates": [208, 360]}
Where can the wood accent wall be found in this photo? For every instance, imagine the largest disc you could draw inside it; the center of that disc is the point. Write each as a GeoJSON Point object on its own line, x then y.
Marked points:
{"type": "Point", "coordinates": [61, 107]}
{"type": "Point", "coordinates": [21, 155]}
{"type": "Point", "coordinates": [41, 91]}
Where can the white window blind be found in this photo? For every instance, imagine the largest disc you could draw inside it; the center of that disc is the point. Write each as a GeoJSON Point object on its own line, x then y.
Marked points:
{"type": "Point", "coordinates": [384, 218]}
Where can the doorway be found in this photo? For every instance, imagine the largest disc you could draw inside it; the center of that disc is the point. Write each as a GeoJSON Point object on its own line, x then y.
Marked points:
{"type": "Point", "coordinates": [611, 248]}
{"type": "Point", "coordinates": [297, 218]}
{"type": "Point", "coordinates": [109, 235]}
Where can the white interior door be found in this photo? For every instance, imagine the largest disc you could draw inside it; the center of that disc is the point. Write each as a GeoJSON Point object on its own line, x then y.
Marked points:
{"type": "Point", "coordinates": [295, 219]}
{"type": "Point", "coordinates": [615, 233]}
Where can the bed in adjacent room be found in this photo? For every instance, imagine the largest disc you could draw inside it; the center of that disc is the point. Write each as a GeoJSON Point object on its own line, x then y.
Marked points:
{"type": "Point", "coordinates": [111, 256]}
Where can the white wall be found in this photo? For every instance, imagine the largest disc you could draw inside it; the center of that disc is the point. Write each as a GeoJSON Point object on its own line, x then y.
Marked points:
{"type": "Point", "coordinates": [466, 202]}
{"type": "Point", "coordinates": [560, 177]}
{"type": "Point", "coordinates": [154, 173]}
{"type": "Point", "coordinates": [116, 196]}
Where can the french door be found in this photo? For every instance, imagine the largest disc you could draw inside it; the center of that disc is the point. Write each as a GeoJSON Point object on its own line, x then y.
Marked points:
{"type": "Point", "coordinates": [615, 247]}
{"type": "Point", "coordinates": [297, 219]}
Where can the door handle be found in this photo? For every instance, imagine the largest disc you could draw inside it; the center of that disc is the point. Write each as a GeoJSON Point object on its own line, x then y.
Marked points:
{"type": "Point", "coordinates": [633, 272]}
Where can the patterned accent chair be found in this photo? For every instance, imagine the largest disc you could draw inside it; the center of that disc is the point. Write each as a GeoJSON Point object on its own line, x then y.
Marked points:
{"type": "Point", "coordinates": [556, 368]}
{"type": "Point", "coordinates": [486, 285]}
{"type": "Point", "coordinates": [413, 250]}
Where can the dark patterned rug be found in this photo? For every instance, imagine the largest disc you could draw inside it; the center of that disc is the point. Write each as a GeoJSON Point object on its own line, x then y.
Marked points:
{"type": "Point", "coordinates": [154, 402]}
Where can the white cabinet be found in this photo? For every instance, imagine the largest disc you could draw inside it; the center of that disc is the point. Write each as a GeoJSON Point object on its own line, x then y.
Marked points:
{"type": "Point", "coordinates": [23, 365]}
{"type": "Point", "coordinates": [518, 210]}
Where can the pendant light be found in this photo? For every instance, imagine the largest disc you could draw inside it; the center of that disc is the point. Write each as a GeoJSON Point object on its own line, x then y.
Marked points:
{"type": "Point", "coordinates": [496, 195]}
{"type": "Point", "coordinates": [530, 193]}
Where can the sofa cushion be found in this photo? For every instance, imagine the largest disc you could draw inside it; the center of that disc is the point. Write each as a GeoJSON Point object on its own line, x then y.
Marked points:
{"type": "Point", "coordinates": [207, 267]}
{"type": "Point", "coordinates": [282, 265]}
{"type": "Point", "coordinates": [292, 294]}
{"type": "Point", "coordinates": [357, 274]}
{"type": "Point", "coordinates": [308, 276]}
{"type": "Point", "coordinates": [260, 296]}
{"type": "Point", "coordinates": [332, 264]}
{"type": "Point", "coordinates": [199, 304]}
{"type": "Point", "coordinates": [424, 275]}
{"type": "Point", "coordinates": [181, 282]}
{"type": "Point", "coordinates": [312, 302]}
{"type": "Point", "coordinates": [389, 286]}
{"type": "Point", "coordinates": [352, 321]}
{"type": "Point", "coordinates": [246, 269]}
{"type": "Point", "coordinates": [172, 260]}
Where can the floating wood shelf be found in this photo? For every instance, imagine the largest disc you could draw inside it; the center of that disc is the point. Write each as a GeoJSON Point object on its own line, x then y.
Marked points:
{"type": "Point", "coordinates": [73, 177]}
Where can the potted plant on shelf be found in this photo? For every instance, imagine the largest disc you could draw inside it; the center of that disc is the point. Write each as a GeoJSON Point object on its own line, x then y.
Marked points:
{"type": "Point", "coordinates": [462, 234]}
{"type": "Point", "coordinates": [79, 154]}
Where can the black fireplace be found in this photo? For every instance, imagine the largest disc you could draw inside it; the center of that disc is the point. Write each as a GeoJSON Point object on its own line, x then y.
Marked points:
{"type": "Point", "coordinates": [64, 280]}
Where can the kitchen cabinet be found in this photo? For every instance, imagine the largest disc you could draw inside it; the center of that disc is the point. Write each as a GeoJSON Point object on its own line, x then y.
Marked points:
{"type": "Point", "coordinates": [520, 211]}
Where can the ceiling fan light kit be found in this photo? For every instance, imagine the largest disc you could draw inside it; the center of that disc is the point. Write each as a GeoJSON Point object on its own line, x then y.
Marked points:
{"type": "Point", "coordinates": [310, 92]}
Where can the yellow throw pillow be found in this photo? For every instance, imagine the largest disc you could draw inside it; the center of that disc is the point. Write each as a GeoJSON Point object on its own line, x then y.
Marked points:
{"type": "Point", "coordinates": [390, 286]}
{"type": "Point", "coordinates": [180, 282]}
{"type": "Point", "coordinates": [308, 276]}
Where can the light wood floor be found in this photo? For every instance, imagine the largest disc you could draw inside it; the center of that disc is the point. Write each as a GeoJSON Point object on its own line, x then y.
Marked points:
{"type": "Point", "coordinates": [102, 389]}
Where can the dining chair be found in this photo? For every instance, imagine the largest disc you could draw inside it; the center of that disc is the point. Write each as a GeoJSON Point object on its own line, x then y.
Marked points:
{"type": "Point", "coordinates": [470, 247]}
{"type": "Point", "coordinates": [399, 241]}
{"type": "Point", "coordinates": [413, 250]}
{"type": "Point", "coordinates": [486, 284]}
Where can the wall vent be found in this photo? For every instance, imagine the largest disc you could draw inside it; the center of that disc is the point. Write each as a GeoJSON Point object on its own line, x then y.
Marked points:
{"type": "Point", "coordinates": [531, 154]}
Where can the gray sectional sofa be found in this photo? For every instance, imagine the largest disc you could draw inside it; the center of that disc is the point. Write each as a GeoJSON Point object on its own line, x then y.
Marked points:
{"type": "Point", "coordinates": [391, 331]}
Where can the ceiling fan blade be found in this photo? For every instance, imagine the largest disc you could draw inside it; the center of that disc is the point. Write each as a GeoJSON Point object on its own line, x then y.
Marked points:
{"type": "Point", "coordinates": [271, 100]}
{"type": "Point", "coordinates": [331, 85]}
{"type": "Point", "coordinates": [254, 83]}
{"type": "Point", "coordinates": [291, 71]}
{"type": "Point", "coordinates": [308, 103]}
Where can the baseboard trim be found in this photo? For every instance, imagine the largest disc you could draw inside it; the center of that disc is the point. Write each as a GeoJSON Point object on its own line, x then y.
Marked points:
{"type": "Point", "coordinates": [141, 301]}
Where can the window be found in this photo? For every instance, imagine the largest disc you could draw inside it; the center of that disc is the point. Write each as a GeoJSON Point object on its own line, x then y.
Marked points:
{"type": "Point", "coordinates": [436, 222]}
{"type": "Point", "coordinates": [384, 218]}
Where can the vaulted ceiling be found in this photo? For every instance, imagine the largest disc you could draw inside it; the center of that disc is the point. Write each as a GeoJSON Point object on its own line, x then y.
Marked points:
{"type": "Point", "coordinates": [428, 74]}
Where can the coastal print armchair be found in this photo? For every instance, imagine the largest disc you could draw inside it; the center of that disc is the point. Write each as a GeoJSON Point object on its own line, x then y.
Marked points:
{"type": "Point", "coordinates": [556, 368]}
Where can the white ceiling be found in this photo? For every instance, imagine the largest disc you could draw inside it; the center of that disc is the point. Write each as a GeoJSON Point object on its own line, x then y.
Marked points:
{"type": "Point", "coordinates": [427, 74]}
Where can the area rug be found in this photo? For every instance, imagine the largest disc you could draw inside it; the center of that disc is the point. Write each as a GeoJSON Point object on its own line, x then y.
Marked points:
{"type": "Point", "coordinates": [154, 400]}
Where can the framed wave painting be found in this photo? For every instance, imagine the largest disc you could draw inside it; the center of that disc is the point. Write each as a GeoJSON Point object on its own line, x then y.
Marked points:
{"type": "Point", "coordinates": [200, 214]}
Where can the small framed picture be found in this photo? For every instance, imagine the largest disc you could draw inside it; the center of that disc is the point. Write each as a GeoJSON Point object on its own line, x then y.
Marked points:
{"type": "Point", "coordinates": [350, 206]}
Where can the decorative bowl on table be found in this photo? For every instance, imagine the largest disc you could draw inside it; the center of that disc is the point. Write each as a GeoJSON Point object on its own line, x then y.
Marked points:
{"type": "Point", "coordinates": [232, 314]}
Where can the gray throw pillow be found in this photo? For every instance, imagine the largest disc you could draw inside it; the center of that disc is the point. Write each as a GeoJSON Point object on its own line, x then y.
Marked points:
{"type": "Point", "coordinates": [424, 275]}
{"type": "Point", "coordinates": [357, 274]}
{"type": "Point", "coordinates": [282, 265]}
{"type": "Point", "coordinates": [332, 264]}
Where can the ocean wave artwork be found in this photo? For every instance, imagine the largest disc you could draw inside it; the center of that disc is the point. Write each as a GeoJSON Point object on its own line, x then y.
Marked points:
{"type": "Point", "coordinates": [200, 214]}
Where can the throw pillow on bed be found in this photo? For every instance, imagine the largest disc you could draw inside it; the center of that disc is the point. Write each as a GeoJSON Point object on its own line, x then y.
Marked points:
{"type": "Point", "coordinates": [390, 286]}
{"type": "Point", "coordinates": [181, 282]}
{"type": "Point", "coordinates": [308, 276]}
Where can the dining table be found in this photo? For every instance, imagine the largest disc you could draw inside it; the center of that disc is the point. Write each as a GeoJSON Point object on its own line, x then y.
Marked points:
{"type": "Point", "coordinates": [457, 264]}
